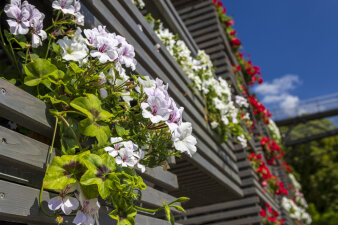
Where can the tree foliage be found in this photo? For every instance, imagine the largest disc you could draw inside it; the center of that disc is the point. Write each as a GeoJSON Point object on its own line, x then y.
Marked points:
{"type": "Point", "coordinates": [316, 163]}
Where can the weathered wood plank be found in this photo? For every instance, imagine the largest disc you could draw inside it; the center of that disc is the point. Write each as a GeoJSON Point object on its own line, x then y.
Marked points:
{"type": "Point", "coordinates": [23, 108]}
{"type": "Point", "coordinates": [242, 221]}
{"type": "Point", "coordinates": [20, 149]}
{"type": "Point", "coordinates": [20, 204]}
{"type": "Point", "coordinates": [221, 215]}
{"type": "Point", "coordinates": [224, 206]}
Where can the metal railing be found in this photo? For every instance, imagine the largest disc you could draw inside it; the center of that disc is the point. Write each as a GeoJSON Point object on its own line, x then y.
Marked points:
{"type": "Point", "coordinates": [306, 107]}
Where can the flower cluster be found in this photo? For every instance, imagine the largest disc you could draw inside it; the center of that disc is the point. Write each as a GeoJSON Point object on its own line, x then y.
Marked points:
{"type": "Point", "coordinates": [296, 212]}
{"type": "Point", "coordinates": [251, 72]}
{"type": "Point", "coordinates": [274, 131]}
{"type": "Point", "coordinates": [260, 111]}
{"type": "Point", "coordinates": [87, 209]}
{"type": "Point", "coordinates": [270, 216]}
{"type": "Point", "coordinates": [267, 179]}
{"type": "Point", "coordinates": [110, 123]}
{"type": "Point", "coordinates": [223, 113]}
{"type": "Point", "coordinates": [272, 150]}
{"type": "Point", "coordinates": [24, 18]}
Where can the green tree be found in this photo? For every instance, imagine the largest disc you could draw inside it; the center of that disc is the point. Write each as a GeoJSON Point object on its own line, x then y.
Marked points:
{"type": "Point", "coordinates": [316, 163]}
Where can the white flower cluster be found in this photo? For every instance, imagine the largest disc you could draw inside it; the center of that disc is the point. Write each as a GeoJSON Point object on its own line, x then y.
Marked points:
{"type": "Point", "coordinates": [71, 7]}
{"type": "Point", "coordinates": [296, 212]}
{"type": "Point", "coordinates": [199, 71]}
{"type": "Point", "coordinates": [126, 153]}
{"type": "Point", "coordinates": [24, 17]}
{"type": "Point", "coordinates": [299, 197]}
{"type": "Point", "coordinates": [110, 47]}
{"type": "Point", "coordinates": [274, 130]}
{"type": "Point", "coordinates": [87, 208]}
{"type": "Point", "coordinates": [160, 107]}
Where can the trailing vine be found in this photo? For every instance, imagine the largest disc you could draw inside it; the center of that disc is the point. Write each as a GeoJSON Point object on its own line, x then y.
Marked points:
{"type": "Point", "coordinates": [110, 121]}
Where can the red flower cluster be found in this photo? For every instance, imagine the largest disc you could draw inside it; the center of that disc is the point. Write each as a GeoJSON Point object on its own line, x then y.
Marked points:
{"type": "Point", "coordinates": [272, 150]}
{"type": "Point", "coordinates": [267, 179]}
{"type": "Point", "coordinates": [270, 216]}
{"type": "Point", "coordinates": [259, 109]}
{"type": "Point", "coordinates": [251, 73]}
{"type": "Point", "coordinates": [261, 168]}
{"type": "Point", "coordinates": [287, 167]}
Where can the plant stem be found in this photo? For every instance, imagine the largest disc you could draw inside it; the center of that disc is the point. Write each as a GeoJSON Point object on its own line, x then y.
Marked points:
{"type": "Point", "coordinates": [74, 135]}
{"type": "Point", "coordinates": [48, 162]}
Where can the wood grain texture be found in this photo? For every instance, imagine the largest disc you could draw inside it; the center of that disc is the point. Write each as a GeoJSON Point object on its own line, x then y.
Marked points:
{"type": "Point", "coordinates": [20, 204]}
{"type": "Point", "coordinates": [19, 106]}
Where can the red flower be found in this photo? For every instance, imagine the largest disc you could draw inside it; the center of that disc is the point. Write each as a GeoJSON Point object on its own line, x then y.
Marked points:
{"type": "Point", "coordinates": [224, 10]}
{"type": "Point", "coordinates": [272, 219]}
{"type": "Point", "coordinates": [214, 1]}
{"type": "Point", "coordinates": [220, 4]}
{"type": "Point", "coordinates": [235, 42]}
{"type": "Point", "coordinates": [263, 213]}
{"type": "Point", "coordinates": [260, 80]}
{"type": "Point", "coordinates": [229, 23]}
{"type": "Point", "coordinates": [233, 33]}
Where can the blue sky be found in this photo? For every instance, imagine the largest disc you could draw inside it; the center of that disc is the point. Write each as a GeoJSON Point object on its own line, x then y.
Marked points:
{"type": "Point", "coordinates": [296, 39]}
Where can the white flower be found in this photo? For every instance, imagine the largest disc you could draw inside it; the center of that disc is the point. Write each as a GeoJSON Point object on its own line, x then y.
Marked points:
{"type": "Point", "coordinates": [242, 140]}
{"type": "Point", "coordinates": [64, 202]}
{"type": "Point", "coordinates": [175, 117]}
{"type": "Point", "coordinates": [145, 82]}
{"type": "Point", "coordinates": [117, 143]}
{"type": "Point", "coordinates": [126, 55]}
{"type": "Point", "coordinates": [102, 79]}
{"type": "Point", "coordinates": [24, 16]}
{"type": "Point", "coordinates": [126, 155]}
{"type": "Point", "coordinates": [66, 6]}
{"type": "Point", "coordinates": [79, 18]}
{"type": "Point", "coordinates": [88, 211]}
{"type": "Point", "coordinates": [72, 50]}
{"type": "Point", "coordinates": [183, 139]}
{"type": "Point", "coordinates": [18, 17]}
{"type": "Point", "coordinates": [241, 101]}
{"type": "Point", "coordinates": [214, 124]}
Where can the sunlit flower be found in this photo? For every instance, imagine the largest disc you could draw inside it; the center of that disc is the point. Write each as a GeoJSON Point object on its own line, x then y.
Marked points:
{"type": "Point", "coordinates": [72, 50]}
{"type": "Point", "coordinates": [88, 211]}
{"type": "Point", "coordinates": [183, 139]}
{"type": "Point", "coordinates": [66, 6]}
{"type": "Point", "coordinates": [64, 202]}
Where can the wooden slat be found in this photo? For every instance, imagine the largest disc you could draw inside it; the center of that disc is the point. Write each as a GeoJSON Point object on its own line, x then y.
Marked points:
{"type": "Point", "coordinates": [28, 152]}
{"type": "Point", "coordinates": [23, 108]}
{"type": "Point", "coordinates": [221, 215]}
{"type": "Point", "coordinates": [219, 206]}
{"type": "Point", "coordinates": [20, 204]}
{"type": "Point", "coordinates": [242, 221]}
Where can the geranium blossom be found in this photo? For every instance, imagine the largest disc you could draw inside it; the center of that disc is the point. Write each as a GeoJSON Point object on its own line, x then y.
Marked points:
{"type": "Point", "coordinates": [64, 202]}
{"type": "Point", "coordinates": [183, 139]}
{"type": "Point", "coordinates": [66, 6]}
{"type": "Point", "coordinates": [72, 50]}
{"type": "Point", "coordinates": [24, 16]}
{"type": "Point", "coordinates": [88, 211]}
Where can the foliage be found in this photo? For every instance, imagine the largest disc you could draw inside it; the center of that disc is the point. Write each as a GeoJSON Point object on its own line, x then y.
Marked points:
{"type": "Point", "coordinates": [223, 114]}
{"type": "Point", "coordinates": [109, 120]}
{"type": "Point", "coordinates": [317, 163]}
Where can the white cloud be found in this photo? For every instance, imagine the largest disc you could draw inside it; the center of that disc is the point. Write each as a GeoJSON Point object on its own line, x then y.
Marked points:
{"type": "Point", "coordinates": [278, 85]}
{"type": "Point", "coordinates": [278, 93]}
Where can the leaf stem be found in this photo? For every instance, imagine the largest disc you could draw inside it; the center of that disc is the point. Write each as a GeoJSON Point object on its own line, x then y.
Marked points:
{"type": "Point", "coordinates": [48, 162]}
{"type": "Point", "coordinates": [74, 135]}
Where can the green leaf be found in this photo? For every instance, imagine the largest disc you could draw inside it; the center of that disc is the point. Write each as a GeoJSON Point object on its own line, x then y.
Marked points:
{"type": "Point", "coordinates": [64, 170]}
{"type": "Point", "coordinates": [167, 213]}
{"type": "Point", "coordinates": [75, 68]}
{"type": "Point", "coordinates": [99, 167]}
{"type": "Point", "coordinates": [99, 130]}
{"type": "Point", "coordinates": [179, 208]}
{"type": "Point", "coordinates": [121, 131]}
{"type": "Point", "coordinates": [39, 71]}
{"type": "Point", "coordinates": [181, 199]}
{"type": "Point", "coordinates": [91, 107]}
{"type": "Point", "coordinates": [68, 143]}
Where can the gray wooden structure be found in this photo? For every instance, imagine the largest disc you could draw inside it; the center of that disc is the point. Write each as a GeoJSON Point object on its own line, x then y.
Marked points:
{"type": "Point", "coordinates": [219, 179]}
